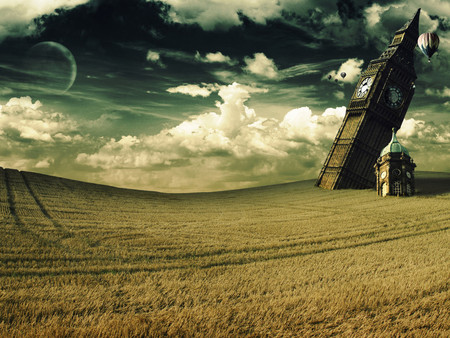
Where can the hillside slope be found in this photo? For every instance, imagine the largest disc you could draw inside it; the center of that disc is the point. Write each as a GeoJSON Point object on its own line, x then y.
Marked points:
{"type": "Point", "coordinates": [85, 259]}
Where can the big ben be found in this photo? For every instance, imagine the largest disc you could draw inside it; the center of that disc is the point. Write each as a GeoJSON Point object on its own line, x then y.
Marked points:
{"type": "Point", "coordinates": [378, 104]}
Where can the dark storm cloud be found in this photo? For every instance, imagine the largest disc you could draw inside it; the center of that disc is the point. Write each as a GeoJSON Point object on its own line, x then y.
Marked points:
{"type": "Point", "coordinates": [348, 9]}
{"type": "Point", "coordinates": [119, 28]}
{"type": "Point", "coordinates": [98, 30]}
{"type": "Point", "coordinates": [16, 17]}
{"type": "Point", "coordinates": [100, 22]}
{"type": "Point", "coordinates": [444, 23]}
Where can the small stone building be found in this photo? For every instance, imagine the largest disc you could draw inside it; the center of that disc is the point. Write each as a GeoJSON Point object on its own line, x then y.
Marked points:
{"type": "Point", "coordinates": [395, 170]}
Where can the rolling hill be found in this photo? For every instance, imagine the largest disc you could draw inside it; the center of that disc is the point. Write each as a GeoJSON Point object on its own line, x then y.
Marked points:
{"type": "Point", "coordinates": [80, 259]}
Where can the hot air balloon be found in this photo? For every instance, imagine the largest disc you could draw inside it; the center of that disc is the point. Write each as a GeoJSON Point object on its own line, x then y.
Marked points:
{"type": "Point", "coordinates": [335, 80]}
{"type": "Point", "coordinates": [343, 74]}
{"type": "Point", "coordinates": [428, 44]}
{"type": "Point", "coordinates": [329, 77]}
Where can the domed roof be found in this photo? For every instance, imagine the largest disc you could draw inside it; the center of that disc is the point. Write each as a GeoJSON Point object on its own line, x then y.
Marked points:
{"type": "Point", "coordinates": [394, 146]}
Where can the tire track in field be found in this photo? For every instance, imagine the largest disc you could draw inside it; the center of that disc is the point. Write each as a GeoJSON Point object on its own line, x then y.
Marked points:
{"type": "Point", "coordinates": [12, 204]}
{"type": "Point", "coordinates": [373, 233]}
{"type": "Point", "coordinates": [21, 226]}
{"type": "Point", "coordinates": [5, 214]}
{"type": "Point", "coordinates": [13, 185]}
{"type": "Point", "coordinates": [13, 208]}
{"type": "Point", "coordinates": [62, 230]}
{"type": "Point", "coordinates": [42, 208]}
{"type": "Point", "coordinates": [318, 250]}
{"type": "Point", "coordinates": [180, 265]}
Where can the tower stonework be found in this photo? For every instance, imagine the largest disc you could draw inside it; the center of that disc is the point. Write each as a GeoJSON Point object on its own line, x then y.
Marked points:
{"type": "Point", "coordinates": [378, 104]}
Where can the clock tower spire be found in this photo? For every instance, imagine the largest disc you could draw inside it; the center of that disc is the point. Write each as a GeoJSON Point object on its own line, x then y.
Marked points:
{"type": "Point", "coordinates": [378, 104]}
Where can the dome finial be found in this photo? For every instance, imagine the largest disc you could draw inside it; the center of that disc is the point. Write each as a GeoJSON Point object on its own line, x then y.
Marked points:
{"type": "Point", "coordinates": [394, 146]}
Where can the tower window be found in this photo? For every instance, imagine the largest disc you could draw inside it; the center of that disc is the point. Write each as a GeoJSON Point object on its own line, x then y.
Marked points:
{"type": "Point", "coordinates": [383, 189]}
{"type": "Point", "coordinates": [408, 189]}
{"type": "Point", "coordinates": [397, 188]}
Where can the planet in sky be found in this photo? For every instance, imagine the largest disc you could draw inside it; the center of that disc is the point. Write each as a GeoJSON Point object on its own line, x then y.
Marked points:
{"type": "Point", "coordinates": [50, 67]}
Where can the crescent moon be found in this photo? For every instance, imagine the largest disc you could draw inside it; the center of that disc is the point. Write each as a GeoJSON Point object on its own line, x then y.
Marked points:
{"type": "Point", "coordinates": [52, 66]}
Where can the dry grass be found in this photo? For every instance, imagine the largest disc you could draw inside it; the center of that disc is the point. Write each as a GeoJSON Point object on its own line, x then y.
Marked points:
{"type": "Point", "coordinates": [79, 259]}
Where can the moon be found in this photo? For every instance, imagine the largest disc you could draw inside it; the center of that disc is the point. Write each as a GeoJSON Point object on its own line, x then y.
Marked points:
{"type": "Point", "coordinates": [51, 67]}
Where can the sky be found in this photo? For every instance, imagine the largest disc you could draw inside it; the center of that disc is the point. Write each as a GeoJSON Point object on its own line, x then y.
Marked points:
{"type": "Point", "coordinates": [202, 95]}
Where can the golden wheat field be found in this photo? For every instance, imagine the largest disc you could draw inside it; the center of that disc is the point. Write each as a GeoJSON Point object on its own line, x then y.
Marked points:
{"type": "Point", "coordinates": [83, 260]}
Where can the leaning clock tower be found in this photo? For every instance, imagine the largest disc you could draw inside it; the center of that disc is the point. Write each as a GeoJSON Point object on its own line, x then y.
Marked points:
{"type": "Point", "coordinates": [378, 104]}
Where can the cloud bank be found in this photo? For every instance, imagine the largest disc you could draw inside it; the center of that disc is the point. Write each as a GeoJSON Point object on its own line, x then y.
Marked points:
{"type": "Point", "coordinates": [30, 137]}
{"type": "Point", "coordinates": [22, 119]}
{"type": "Point", "coordinates": [232, 147]}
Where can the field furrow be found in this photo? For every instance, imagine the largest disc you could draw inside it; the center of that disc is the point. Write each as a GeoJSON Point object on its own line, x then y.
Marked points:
{"type": "Point", "coordinates": [79, 259]}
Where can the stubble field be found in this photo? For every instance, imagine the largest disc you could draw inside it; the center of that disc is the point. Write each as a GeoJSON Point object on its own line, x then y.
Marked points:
{"type": "Point", "coordinates": [79, 259]}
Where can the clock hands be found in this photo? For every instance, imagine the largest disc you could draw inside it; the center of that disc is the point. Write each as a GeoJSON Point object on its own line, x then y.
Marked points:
{"type": "Point", "coordinates": [364, 87]}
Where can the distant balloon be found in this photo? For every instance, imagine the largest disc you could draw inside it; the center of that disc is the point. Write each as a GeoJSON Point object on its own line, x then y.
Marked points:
{"type": "Point", "coordinates": [329, 77]}
{"type": "Point", "coordinates": [335, 80]}
{"type": "Point", "coordinates": [50, 67]}
{"type": "Point", "coordinates": [343, 74]}
{"type": "Point", "coordinates": [428, 44]}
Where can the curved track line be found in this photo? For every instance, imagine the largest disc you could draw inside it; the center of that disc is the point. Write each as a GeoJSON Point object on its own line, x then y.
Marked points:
{"type": "Point", "coordinates": [64, 232]}
{"type": "Point", "coordinates": [205, 265]}
{"type": "Point", "coordinates": [12, 203]}
{"type": "Point", "coordinates": [38, 202]}
{"type": "Point", "coordinates": [17, 219]}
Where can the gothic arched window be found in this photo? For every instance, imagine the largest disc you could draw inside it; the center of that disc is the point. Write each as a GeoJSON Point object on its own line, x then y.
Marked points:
{"type": "Point", "coordinates": [384, 189]}
{"type": "Point", "coordinates": [408, 189]}
{"type": "Point", "coordinates": [397, 188]}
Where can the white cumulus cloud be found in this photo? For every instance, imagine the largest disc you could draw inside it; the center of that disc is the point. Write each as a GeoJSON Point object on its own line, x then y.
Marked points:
{"type": "Point", "coordinates": [352, 69]}
{"type": "Point", "coordinates": [445, 92]}
{"type": "Point", "coordinates": [31, 137]}
{"type": "Point", "coordinates": [228, 149]}
{"type": "Point", "coordinates": [216, 57]}
{"type": "Point", "coordinates": [45, 163]}
{"type": "Point", "coordinates": [155, 57]}
{"type": "Point", "coordinates": [261, 65]}
{"type": "Point", "coordinates": [194, 90]}
{"type": "Point", "coordinates": [217, 14]}
{"type": "Point", "coordinates": [22, 117]}
{"type": "Point", "coordinates": [427, 143]}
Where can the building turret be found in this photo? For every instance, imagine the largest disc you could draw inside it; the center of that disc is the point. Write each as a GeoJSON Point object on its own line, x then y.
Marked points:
{"type": "Point", "coordinates": [394, 170]}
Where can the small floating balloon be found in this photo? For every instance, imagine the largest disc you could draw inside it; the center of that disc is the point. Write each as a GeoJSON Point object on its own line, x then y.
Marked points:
{"type": "Point", "coordinates": [428, 44]}
{"type": "Point", "coordinates": [329, 77]}
{"type": "Point", "coordinates": [335, 80]}
{"type": "Point", "coordinates": [343, 74]}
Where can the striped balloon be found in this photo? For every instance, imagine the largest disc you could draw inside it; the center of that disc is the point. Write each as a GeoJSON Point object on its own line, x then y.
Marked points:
{"type": "Point", "coordinates": [428, 44]}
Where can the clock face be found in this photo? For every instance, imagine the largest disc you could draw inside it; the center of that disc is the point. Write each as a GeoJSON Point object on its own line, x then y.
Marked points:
{"type": "Point", "coordinates": [408, 174]}
{"type": "Point", "coordinates": [364, 87]}
{"type": "Point", "coordinates": [393, 96]}
{"type": "Point", "coordinates": [383, 174]}
{"type": "Point", "coordinates": [397, 172]}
